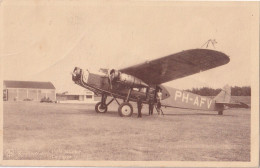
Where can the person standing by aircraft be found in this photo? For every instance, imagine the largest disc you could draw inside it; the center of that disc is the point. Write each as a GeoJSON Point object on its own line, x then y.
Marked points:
{"type": "Point", "coordinates": [139, 106]}
{"type": "Point", "coordinates": [159, 98]}
{"type": "Point", "coordinates": [158, 108]}
{"type": "Point", "coordinates": [151, 106]}
{"type": "Point", "coordinates": [159, 95]}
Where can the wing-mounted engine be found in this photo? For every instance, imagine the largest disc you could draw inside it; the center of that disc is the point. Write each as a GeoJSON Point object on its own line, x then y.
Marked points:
{"type": "Point", "coordinates": [116, 76]}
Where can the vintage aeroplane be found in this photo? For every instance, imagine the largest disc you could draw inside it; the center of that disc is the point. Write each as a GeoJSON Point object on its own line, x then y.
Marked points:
{"type": "Point", "coordinates": [145, 81]}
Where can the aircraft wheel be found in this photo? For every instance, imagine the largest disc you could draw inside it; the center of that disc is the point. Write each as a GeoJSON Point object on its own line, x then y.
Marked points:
{"type": "Point", "coordinates": [99, 109]}
{"type": "Point", "coordinates": [125, 109]}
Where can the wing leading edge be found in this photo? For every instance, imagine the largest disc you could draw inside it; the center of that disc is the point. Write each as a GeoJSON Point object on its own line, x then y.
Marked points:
{"type": "Point", "coordinates": [177, 65]}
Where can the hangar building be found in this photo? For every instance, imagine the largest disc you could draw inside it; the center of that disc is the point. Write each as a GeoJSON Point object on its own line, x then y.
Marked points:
{"type": "Point", "coordinates": [25, 90]}
{"type": "Point", "coordinates": [76, 94]}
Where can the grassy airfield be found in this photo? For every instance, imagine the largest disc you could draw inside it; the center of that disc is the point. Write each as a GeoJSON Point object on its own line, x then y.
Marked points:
{"type": "Point", "coordinates": [39, 131]}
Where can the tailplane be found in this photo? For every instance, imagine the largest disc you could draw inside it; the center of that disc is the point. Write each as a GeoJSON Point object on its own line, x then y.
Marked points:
{"type": "Point", "coordinates": [224, 99]}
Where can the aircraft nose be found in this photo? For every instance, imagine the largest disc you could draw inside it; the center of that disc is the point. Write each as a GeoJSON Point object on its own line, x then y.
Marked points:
{"type": "Point", "coordinates": [76, 74]}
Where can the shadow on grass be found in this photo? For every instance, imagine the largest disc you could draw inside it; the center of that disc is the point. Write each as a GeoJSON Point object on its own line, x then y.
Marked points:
{"type": "Point", "coordinates": [114, 113]}
{"type": "Point", "coordinates": [111, 113]}
{"type": "Point", "coordinates": [94, 113]}
{"type": "Point", "coordinates": [198, 114]}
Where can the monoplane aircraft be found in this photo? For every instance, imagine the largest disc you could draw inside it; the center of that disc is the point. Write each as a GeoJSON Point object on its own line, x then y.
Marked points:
{"type": "Point", "coordinates": [145, 80]}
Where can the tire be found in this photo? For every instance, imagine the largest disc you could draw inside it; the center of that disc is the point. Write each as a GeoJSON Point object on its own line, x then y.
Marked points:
{"type": "Point", "coordinates": [99, 109]}
{"type": "Point", "coordinates": [125, 109]}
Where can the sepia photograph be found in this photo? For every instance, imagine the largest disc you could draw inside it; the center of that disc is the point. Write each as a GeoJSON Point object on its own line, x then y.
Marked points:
{"type": "Point", "coordinates": [129, 83]}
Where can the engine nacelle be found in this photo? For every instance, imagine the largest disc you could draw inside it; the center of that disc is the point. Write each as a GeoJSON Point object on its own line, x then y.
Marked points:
{"type": "Point", "coordinates": [125, 79]}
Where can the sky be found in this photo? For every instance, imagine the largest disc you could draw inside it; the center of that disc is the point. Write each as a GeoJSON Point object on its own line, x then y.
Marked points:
{"type": "Point", "coordinates": [45, 40]}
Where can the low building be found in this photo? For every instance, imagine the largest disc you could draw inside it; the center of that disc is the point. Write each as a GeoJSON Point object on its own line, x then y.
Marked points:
{"type": "Point", "coordinates": [28, 90]}
{"type": "Point", "coordinates": [76, 95]}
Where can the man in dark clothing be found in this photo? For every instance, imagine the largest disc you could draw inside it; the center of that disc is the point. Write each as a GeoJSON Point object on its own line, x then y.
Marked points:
{"type": "Point", "coordinates": [139, 106]}
{"type": "Point", "coordinates": [151, 106]}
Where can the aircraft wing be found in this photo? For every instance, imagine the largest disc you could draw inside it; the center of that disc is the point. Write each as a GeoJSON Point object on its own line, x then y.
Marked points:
{"type": "Point", "coordinates": [177, 65]}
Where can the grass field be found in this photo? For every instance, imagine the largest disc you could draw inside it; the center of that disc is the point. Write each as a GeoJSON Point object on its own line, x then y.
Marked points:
{"type": "Point", "coordinates": [36, 131]}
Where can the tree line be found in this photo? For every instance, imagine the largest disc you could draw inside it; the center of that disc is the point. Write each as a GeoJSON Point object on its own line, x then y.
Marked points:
{"type": "Point", "coordinates": [235, 91]}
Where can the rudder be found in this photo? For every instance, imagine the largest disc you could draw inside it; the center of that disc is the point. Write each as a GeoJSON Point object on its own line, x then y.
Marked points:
{"type": "Point", "coordinates": [224, 96]}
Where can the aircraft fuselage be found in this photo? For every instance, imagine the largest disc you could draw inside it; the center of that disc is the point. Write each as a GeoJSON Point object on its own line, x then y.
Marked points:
{"type": "Point", "coordinates": [100, 84]}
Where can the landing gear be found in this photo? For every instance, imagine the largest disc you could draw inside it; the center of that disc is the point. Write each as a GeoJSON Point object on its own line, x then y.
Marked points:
{"type": "Point", "coordinates": [220, 113]}
{"type": "Point", "coordinates": [100, 109]}
{"type": "Point", "coordinates": [125, 109]}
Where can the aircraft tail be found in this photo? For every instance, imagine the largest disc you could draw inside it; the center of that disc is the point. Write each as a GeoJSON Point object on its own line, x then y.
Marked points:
{"type": "Point", "coordinates": [224, 96]}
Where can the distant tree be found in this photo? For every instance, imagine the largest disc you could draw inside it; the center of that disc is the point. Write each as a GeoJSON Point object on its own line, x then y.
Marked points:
{"type": "Point", "coordinates": [241, 91]}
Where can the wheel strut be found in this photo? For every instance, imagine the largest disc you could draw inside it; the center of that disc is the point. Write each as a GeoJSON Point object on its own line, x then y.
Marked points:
{"type": "Point", "coordinates": [128, 95]}
{"type": "Point", "coordinates": [114, 99]}
{"type": "Point", "coordinates": [103, 100]}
